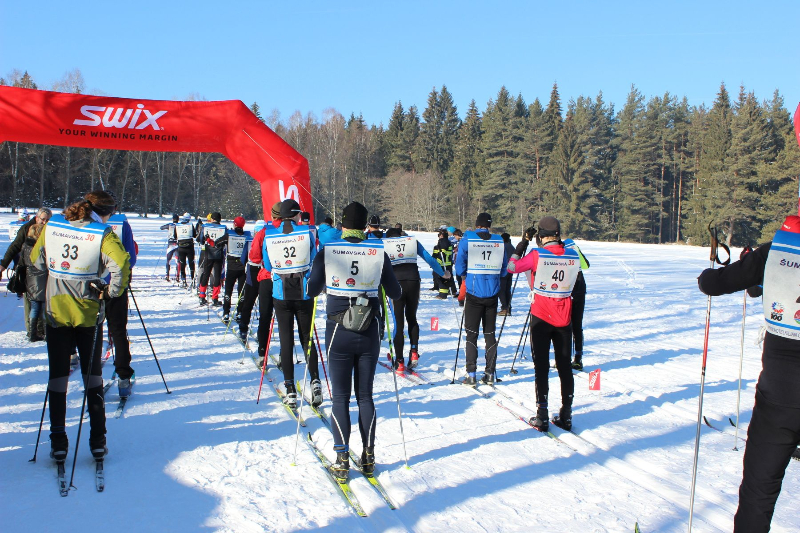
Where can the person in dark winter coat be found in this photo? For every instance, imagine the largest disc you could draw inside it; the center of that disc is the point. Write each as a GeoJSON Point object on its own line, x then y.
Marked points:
{"type": "Point", "coordinates": [185, 233]}
{"type": "Point", "coordinates": [35, 285]}
{"type": "Point", "coordinates": [356, 274]}
{"type": "Point", "coordinates": [506, 282]}
{"type": "Point", "coordinates": [774, 431]}
{"type": "Point", "coordinates": [236, 245]}
{"type": "Point", "coordinates": [172, 243]}
{"type": "Point", "coordinates": [443, 253]}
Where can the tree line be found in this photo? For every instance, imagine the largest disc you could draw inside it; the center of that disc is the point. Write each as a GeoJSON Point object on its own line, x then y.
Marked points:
{"type": "Point", "coordinates": [658, 170]}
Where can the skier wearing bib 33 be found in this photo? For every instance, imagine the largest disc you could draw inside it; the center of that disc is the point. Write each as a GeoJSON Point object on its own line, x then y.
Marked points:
{"type": "Point", "coordinates": [353, 271]}
{"type": "Point", "coordinates": [482, 260]}
{"type": "Point", "coordinates": [774, 431]}
{"type": "Point", "coordinates": [403, 253]}
{"type": "Point", "coordinates": [555, 270]}
{"type": "Point", "coordinates": [76, 248]}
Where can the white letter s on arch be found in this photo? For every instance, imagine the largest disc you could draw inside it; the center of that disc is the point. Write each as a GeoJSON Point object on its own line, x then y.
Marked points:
{"type": "Point", "coordinates": [292, 192]}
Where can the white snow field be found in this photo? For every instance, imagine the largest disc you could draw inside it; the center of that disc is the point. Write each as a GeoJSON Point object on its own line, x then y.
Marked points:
{"type": "Point", "coordinates": [207, 457]}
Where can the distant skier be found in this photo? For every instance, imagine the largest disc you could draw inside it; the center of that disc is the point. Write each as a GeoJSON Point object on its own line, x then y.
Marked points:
{"type": "Point", "coordinates": [35, 285]}
{"type": "Point", "coordinates": [326, 232]}
{"type": "Point", "coordinates": [264, 280]}
{"type": "Point", "coordinates": [213, 259]}
{"type": "Point", "coordinates": [555, 269]}
{"type": "Point", "coordinates": [351, 334]}
{"type": "Point", "coordinates": [374, 228]}
{"type": "Point", "coordinates": [443, 252]}
{"type": "Point", "coordinates": [172, 243]}
{"type": "Point", "coordinates": [506, 282]}
{"type": "Point", "coordinates": [236, 245]}
{"type": "Point", "coordinates": [578, 306]}
{"type": "Point", "coordinates": [481, 259]}
{"type": "Point", "coordinates": [185, 235]}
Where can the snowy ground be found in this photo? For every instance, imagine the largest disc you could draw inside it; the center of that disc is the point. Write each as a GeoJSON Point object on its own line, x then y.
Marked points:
{"type": "Point", "coordinates": [207, 457]}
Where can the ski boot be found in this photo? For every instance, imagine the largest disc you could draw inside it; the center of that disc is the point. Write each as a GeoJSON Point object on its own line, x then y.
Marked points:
{"type": "Point", "coordinates": [398, 363]}
{"type": "Point", "coordinates": [316, 392]}
{"type": "Point", "coordinates": [215, 302]}
{"type": "Point", "coordinates": [243, 335]}
{"type": "Point", "coordinates": [59, 445]}
{"type": "Point", "coordinates": [166, 278]}
{"type": "Point", "coordinates": [577, 364]}
{"type": "Point", "coordinates": [488, 378]}
{"type": "Point", "coordinates": [203, 301]}
{"type": "Point", "coordinates": [504, 312]}
{"type": "Point", "coordinates": [126, 386]}
{"type": "Point", "coordinates": [184, 284]}
{"type": "Point", "coordinates": [226, 319]}
{"type": "Point", "coordinates": [470, 380]}
{"type": "Point", "coordinates": [341, 468]}
{"type": "Point", "coordinates": [541, 420]}
{"type": "Point", "coordinates": [413, 359]}
{"type": "Point", "coordinates": [564, 419]}
{"type": "Point", "coordinates": [290, 400]}
{"type": "Point", "coordinates": [261, 357]}
{"type": "Point", "coordinates": [98, 447]}
{"type": "Point", "coordinates": [368, 460]}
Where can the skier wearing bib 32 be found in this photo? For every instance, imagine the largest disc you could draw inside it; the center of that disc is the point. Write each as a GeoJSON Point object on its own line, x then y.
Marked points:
{"type": "Point", "coordinates": [236, 246]}
{"type": "Point", "coordinates": [482, 260]}
{"type": "Point", "coordinates": [774, 431]}
{"type": "Point", "coordinates": [555, 270]}
{"type": "Point", "coordinates": [288, 253]}
{"type": "Point", "coordinates": [353, 271]}
{"type": "Point", "coordinates": [76, 248]}
{"type": "Point", "coordinates": [403, 253]}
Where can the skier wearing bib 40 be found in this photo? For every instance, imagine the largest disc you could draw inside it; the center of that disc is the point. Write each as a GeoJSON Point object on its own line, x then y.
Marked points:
{"type": "Point", "coordinates": [76, 248]}
{"type": "Point", "coordinates": [482, 260]}
{"type": "Point", "coordinates": [774, 431]}
{"type": "Point", "coordinates": [213, 259]}
{"type": "Point", "coordinates": [172, 242]}
{"type": "Point", "coordinates": [288, 253]}
{"type": "Point", "coordinates": [555, 270]}
{"type": "Point", "coordinates": [403, 253]}
{"type": "Point", "coordinates": [236, 245]}
{"type": "Point", "coordinates": [353, 271]}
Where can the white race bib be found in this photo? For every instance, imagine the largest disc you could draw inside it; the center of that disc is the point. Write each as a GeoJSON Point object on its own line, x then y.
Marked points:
{"type": "Point", "coordinates": [13, 229]}
{"type": "Point", "coordinates": [485, 257]}
{"type": "Point", "coordinates": [183, 231]}
{"type": "Point", "coordinates": [353, 268]}
{"type": "Point", "coordinates": [236, 244]}
{"type": "Point", "coordinates": [116, 222]}
{"type": "Point", "coordinates": [73, 253]}
{"type": "Point", "coordinates": [556, 274]}
{"type": "Point", "coordinates": [214, 231]}
{"type": "Point", "coordinates": [781, 279]}
{"type": "Point", "coordinates": [289, 253]}
{"type": "Point", "coordinates": [401, 250]}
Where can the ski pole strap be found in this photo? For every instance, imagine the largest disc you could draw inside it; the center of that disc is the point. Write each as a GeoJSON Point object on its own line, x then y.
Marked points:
{"type": "Point", "coordinates": [714, 255]}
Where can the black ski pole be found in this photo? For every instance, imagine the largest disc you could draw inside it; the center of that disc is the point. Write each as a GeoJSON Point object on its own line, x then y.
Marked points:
{"type": "Point", "coordinates": [86, 390]}
{"type": "Point", "coordinates": [41, 423]}
{"type": "Point", "coordinates": [149, 341]}
{"type": "Point", "coordinates": [521, 333]}
{"type": "Point", "coordinates": [458, 348]}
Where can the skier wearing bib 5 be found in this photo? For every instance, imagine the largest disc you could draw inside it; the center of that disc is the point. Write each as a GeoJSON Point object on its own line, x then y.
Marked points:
{"type": "Point", "coordinates": [403, 252]}
{"type": "Point", "coordinates": [354, 272]}
{"type": "Point", "coordinates": [77, 248]}
{"type": "Point", "coordinates": [288, 253]}
{"type": "Point", "coordinates": [482, 260]}
{"type": "Point", "coordinates": [555, 271]}
{"type": "Point", "coordinates": [774, 431]}
{"type": "Point", "coordinates": [236, 246]}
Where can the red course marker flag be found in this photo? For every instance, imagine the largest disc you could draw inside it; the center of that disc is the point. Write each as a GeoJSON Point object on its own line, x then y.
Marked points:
{"type": "Point", "coordinates": [594, 380]}
{"type": "Point", "coordinates": [434, 323]}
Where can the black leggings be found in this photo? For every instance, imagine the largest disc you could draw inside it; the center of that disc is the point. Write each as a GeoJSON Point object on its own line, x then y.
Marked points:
{"type": "Point", "coordinates": [265, 308]}
{"type": "Point", "coordinates": [352, 357]}
{"type": "Point", "coordinates": [117, 317]}
{"type": "Point", "coordinates": [211, 266]}
{"type": "Point", "coordinates": [231, 278]}
{"type": "Point", "coordinates": [477, 311]}
{"type": "Point", "coordinates": [542, 333]}
{"type": "Point", "coordinates": [185, 253]}
{"type": "Point", "coordinates": [286, 313]}
{"type": "Point", "coordinates": [170, 253]}
{"type": "Point", "coordinates": [406, 306]}
{"type": "Point", "coordinates": [578, 305]}
{"type": "Point", "coordinates": [61, 343]}
{"type": "Point", "coordinates": [249, 297]}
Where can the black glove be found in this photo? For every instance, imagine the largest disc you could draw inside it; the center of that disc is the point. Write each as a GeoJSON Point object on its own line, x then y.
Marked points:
{"type": "Point", "coordinates": [519, 251]}
{"type": "Point", "coordinates": [529, 234]}
{"type": "Point", "coordinates": [101, 288]}
{"type": "Point", "coordinates": [746, 250]}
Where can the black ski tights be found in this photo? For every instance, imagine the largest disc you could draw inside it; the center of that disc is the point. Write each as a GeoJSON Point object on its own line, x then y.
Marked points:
{"type": "Point", "coordinates": [541, 335]}
{"type": "Point", "coordinates": [286, 313]}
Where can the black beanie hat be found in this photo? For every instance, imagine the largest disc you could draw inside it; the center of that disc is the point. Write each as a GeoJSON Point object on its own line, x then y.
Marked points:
{"type": "Point", "coordinates": [549, 227]}
{"type": "Point", "coordinates": [354, 216]}
{"type": "Point", "coordinates": [289, 208]}
{"type": "Point", "coordinates": [393, 232]}
{"type": "Point", "coordinates": [328, 221]}
{"type": "Point", "coordinates": [305, 216]}
{"type": "Point", "coordinates": [216, 216]}
{"type": "Point", "coordinates": [484, 220]}
{"type": "Point", "coordinates": [175, 218]}
{"type": "Point", "coordinates": [374, 221]}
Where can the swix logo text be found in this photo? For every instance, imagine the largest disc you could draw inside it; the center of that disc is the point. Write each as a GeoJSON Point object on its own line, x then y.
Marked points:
{"type": "Point", "coordinates": [120, 117]}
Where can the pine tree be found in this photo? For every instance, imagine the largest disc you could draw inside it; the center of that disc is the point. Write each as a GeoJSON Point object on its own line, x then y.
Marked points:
{"type": "Point", "coordinates": [466, 161]}
{"type": "Point", "coordinates": [573, 196]}
{"type": "Point", "coordinates": [256, 111]}
{"type": "Point", "coordinates": [393, 140]}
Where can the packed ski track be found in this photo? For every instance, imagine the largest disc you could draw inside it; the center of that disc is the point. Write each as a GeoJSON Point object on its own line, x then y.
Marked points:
{"type": "Point", "coordinates": [208, 457]}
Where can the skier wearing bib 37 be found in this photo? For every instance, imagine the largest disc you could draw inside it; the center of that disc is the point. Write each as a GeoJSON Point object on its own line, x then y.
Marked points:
{"type": "Point", "coordinates": [74, 309]}
{"type": "Point", "coordinates": [354, 271]}
{"type": "Point", "coordinates": [288, 253]}
{"type": "Point", "coordinates": [403, 253]}
{"type": "Point", "coordinates": [236, 246]}
{"type": "Point", "coordinates": [481, 259]}
{"type": "Point", "coordinates": [774, 431]}
{"type": "Point", "coordinates": [555, 270]}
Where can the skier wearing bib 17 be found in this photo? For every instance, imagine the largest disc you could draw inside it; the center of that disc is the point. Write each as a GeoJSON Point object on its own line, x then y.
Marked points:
{"type": "Point", "coordinates": [354, 271]}
{"type": "Point", "coordinates": [481, 259]}
{"type": "Point", "coordinates": [774, 431]}
{"type": "Point", "coordinates": [288, 253]}
{"type": "Point", "coordinates": [555, 270]}
{"type": "Point", "coordinates": [76, 248]}
{"type": "Point", "coordinates": [236, 246]}
{"type": "Point", "coordinates": [403, 253]}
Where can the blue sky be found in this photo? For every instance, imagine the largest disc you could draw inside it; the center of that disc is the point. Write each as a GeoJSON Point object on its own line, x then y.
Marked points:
{"type": "Point", "coordinates": [362, 57]}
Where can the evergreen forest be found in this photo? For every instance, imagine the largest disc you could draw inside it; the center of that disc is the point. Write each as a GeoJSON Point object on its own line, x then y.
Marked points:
{"type": "Point", "coordinates": [655, 170]}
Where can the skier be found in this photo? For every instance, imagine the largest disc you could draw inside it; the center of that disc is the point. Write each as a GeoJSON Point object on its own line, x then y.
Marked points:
{"type": "Point", "coordinates": [327, 233]}
{"type": "Point", "coordinates": [555, 270]}
{"type": "Point", "coordinates": [213, 259]}
{"type": "Point", "coordinates": [374, 228]}
{"type": "Point", "coordinates": [505, 282]}
{"type": "Point", "coordinates": [578, 306]}
{"type": "Point", "coordinates": [455, 239]}
{"type": "Point", "coordinates": [403, 253]}
{"type": "Point", "coordinates": [172, 242]}
{"type": "Point", "coordinates": [35, 284]}
{"type": "Point", "coordinates": [74, 309]}
{"type": "Point", "coordinates": [482, 261]}
{"type": "Point", "coordinates": [116, 309]}
{"type": "Point", "coordinates": [354, 289]}
{"type": "Point", "coordinates": [236, 246]}
{"type": "Point", "coordinates": [264, 281]}
{"type": "Point", "coordinates": [774, 431]}
{"type": "Point", "coordinates": [185, 235]}
{"type": "Point", "coordinates": [288, 253]}
{"type": "Point", "coordinates": [443, 252]}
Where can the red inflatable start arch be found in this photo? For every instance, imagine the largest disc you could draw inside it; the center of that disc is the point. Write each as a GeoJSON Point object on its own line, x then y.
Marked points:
{"type": "Point", "coordinates": [227, 127]}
